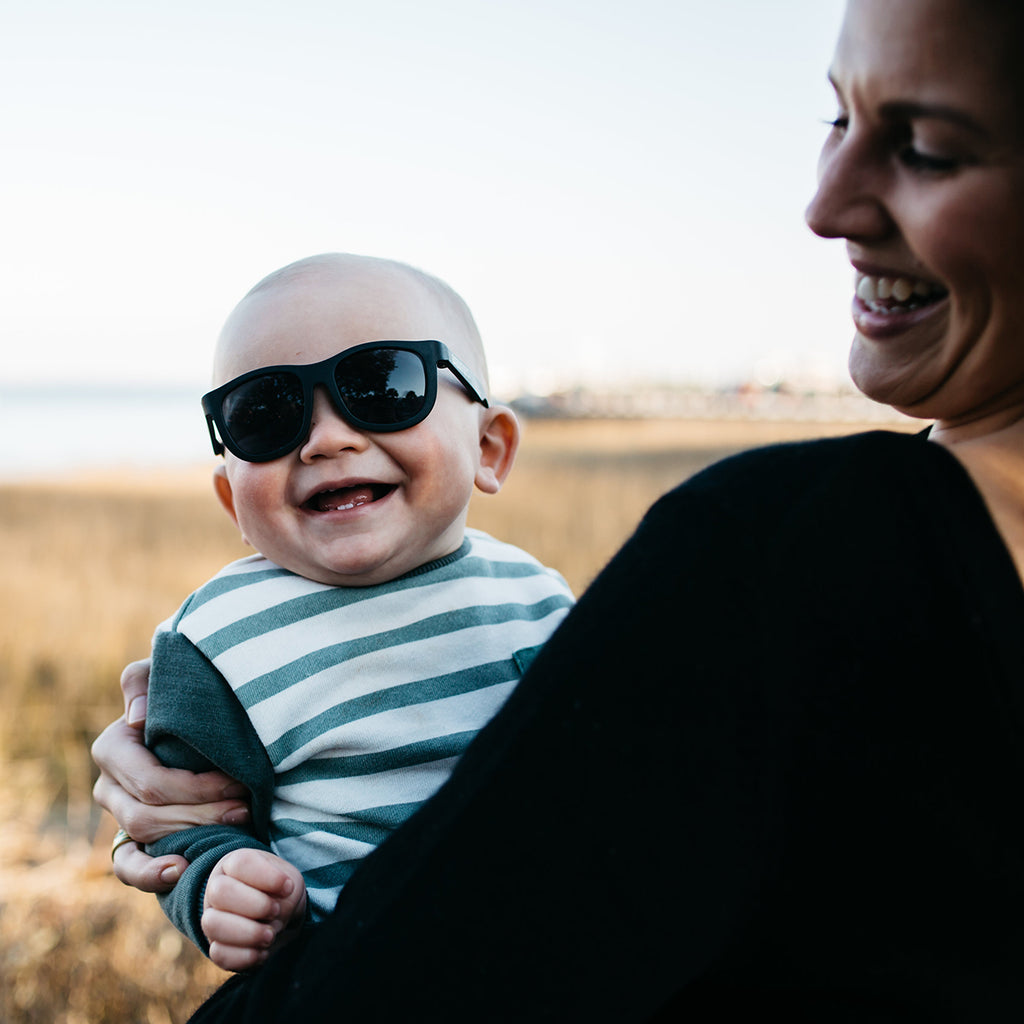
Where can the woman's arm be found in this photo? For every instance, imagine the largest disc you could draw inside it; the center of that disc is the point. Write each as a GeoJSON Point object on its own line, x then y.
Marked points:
{"type": "Point", "coordinates": [150, 801]}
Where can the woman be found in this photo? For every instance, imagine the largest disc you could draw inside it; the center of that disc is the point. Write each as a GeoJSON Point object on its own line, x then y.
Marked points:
{"type": "Point", "coordinates": [770, 763]}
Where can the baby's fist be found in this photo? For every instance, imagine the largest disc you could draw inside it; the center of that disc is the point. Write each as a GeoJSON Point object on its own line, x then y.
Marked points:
{"type": "Point", "coordinates": [254, 902]}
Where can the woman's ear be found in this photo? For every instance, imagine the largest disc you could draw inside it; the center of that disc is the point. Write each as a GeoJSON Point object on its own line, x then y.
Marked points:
{"type": "Point", "coordinates": [222, 488]}
{"type": "Point", "coordinates": [499, 441]}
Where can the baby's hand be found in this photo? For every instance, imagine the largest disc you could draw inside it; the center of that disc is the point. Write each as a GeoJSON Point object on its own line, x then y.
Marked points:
{"type": "Point", "coordinates": [252, 901]}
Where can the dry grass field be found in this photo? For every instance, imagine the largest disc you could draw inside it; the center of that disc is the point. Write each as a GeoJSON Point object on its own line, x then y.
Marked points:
{"type": "Point", "coordinates": [91, 565]}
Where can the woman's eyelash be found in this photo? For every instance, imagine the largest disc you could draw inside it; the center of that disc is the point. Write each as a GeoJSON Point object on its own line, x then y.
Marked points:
{"type": "Point", "coordinates": [918, 161]}
{"type": "Point", "coordinates": [909, 155]}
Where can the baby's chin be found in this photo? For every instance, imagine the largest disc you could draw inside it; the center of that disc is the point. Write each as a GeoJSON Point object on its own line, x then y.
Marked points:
{"type": "Point", "coordinates": [357, 572]}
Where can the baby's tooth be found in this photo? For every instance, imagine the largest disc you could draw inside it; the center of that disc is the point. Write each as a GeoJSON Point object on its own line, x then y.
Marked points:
{"type": "Point", "coordinates": [902, 289]}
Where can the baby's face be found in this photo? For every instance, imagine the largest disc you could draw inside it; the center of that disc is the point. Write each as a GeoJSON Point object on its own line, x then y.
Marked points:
{"type": "Point", "coordinates": [349, 507]}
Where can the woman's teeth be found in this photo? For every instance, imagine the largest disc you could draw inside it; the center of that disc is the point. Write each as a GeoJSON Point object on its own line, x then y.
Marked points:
{"type": "Point", "coordinates": [895, 294]}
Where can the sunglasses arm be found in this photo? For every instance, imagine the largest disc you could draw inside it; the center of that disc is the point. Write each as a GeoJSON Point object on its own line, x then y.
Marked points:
{"type": "Point", "coordinates": [218, 445]}
{"type": "Point", "coordinates": [465, 378]}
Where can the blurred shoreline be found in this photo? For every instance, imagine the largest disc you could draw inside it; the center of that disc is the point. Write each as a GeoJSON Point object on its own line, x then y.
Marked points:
{"type": "Point", "coordinates": [67, 466]}
{"type": "Point", "coordinates": [59, 432]}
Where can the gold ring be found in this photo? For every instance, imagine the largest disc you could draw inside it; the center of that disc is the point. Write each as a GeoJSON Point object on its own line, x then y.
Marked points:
{"type": "Point", "coordinates": [120, 838]}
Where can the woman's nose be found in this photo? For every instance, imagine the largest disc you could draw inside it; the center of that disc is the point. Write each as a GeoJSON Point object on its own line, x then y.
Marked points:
{"type": "Point", "coordinates": [850, 201]}
{"type": "Point", "coordinates": [330, 433]}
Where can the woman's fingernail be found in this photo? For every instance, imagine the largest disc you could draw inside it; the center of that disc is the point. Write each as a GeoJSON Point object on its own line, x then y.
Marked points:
{"type": "Point", "coordinates": [234, 791]}
{"type": "Point", "coordinates": [171, 874]}
{"type": "Point", "coordinates": [236, 816]}
{"type": "Point", "coordinates": [136, 710]}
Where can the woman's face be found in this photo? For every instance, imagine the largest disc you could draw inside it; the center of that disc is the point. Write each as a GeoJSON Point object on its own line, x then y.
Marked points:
{"type": "Point", "coordinates": [923, 175]}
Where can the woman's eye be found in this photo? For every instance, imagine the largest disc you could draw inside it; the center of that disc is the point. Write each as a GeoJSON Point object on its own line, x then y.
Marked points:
{"type": "Point", "coordinates": [838, 123]}
{"type": "Point", "coordinates": [918, 161]}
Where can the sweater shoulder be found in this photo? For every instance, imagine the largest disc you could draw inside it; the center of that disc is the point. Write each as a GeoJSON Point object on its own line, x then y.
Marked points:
{"type": "Point", "coordinates": [778, 479]}
{"type": "Point", "coordinates": [869, 452]}
{"type": "Point", "coordinates": [494, 556]}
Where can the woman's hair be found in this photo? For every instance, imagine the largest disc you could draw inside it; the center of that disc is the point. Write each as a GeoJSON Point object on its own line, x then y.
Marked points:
{"type": "Point", "coordinates": [1006, 19]}
{"type": "Point", "coordinates": [993, 37]}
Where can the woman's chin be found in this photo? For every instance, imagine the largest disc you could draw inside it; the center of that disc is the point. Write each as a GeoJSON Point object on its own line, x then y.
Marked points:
{"type": "Point", "coordinates": [879, 382]}
{"type": "Point", "coordinates": [902, 384]}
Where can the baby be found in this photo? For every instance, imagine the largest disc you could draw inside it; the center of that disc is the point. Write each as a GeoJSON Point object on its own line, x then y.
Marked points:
{"type": "Point", "coordinates": [341, 671]}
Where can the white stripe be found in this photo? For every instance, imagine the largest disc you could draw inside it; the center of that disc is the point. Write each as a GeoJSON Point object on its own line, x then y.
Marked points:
{"type": "Point", "coordinates": [398, 727]}
{"type": "Point", "coordinates": [323, 901]}
{"type": "Point", "coordinates": [319, 849]}
{"type": "Point", "coordinates": [347, 797]}
{"type": "Point", "coordinates": [240, 602]}
{"type": "Point", "coordinates": [272, 649]}
{"type": "Point", "coordinates": [230, 607]}
{"type": "Point", "coordinates": [394, 666]}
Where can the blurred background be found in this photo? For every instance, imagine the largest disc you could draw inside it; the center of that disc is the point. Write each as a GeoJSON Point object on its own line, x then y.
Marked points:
{"type": "Point", "coordinates": [616, 189]}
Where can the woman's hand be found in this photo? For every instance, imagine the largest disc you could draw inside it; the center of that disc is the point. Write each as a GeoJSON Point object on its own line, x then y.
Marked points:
{"type": "Point", "coordinates": [150, 801]}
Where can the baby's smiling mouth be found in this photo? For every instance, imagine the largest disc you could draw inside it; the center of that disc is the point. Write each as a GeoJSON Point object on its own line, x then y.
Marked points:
{"type": "Point", "coordinates": [344, 498]}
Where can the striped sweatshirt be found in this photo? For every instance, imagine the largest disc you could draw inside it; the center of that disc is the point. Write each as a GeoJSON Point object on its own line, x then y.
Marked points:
{"type": "Point", "coordinates": [341, 708]}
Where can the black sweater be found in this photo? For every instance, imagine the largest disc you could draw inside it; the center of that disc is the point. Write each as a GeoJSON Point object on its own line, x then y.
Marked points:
{"type": "Point", "coordinates": [770, 765]}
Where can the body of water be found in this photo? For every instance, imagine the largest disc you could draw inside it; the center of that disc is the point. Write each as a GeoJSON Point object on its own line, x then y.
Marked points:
{"type": "Point", "coordinates": [49, 431]}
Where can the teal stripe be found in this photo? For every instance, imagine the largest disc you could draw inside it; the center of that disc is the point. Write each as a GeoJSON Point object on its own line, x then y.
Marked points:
{"type": "Point", "coordinates": [324, 769]}
{"type": "Point", "coordinates": [286, 613]}
{"type": "Point", "coordinates": [270, 683]}
{"type": "Point", "coordinates": [225, 584]}
{"type": "Point", "coordinates": [290, 828]}
{"type": "Point", "coordinates": [290, 611]}
{"type": "Point", "coordinates": [484, 568]}
{"type": "Point", "coordinates": [468, 567]}
{"type": "Point", "coordinates": [295, 609]}
{"type": "Point", "coordinates": [331, 876]}
{"type": "Point", "coordinates": [422, 691]}
{"type": "Point", "coordinates": [388, 816]}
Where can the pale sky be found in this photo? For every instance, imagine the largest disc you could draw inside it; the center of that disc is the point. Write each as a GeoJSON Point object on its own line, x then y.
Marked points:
{"type": "Point", "coordinates": [616, 189]}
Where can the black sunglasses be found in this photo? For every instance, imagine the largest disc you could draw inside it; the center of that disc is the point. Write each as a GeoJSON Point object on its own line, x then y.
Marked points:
{"type": "Point", "coordinates": [382, 386]}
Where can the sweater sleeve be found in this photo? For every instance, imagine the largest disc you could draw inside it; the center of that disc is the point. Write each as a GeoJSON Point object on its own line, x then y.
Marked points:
{"type": "Point", "coordinates": [195, 722]}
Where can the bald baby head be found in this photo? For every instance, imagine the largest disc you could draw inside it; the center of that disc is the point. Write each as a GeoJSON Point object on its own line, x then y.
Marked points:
{"type": "Point", "coordinates": [318, 306]}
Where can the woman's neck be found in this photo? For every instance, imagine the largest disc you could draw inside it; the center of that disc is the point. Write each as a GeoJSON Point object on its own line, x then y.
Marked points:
{"type": "Point", "coordinates": [994, 458]}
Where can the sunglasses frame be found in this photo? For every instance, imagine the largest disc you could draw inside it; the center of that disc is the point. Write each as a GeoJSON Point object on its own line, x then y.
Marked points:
{"type": "Point", "coordinates": [434, 355]}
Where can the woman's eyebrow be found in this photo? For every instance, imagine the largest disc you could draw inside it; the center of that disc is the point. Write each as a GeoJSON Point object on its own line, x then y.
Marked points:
{"type": "Point", "coordinates": [913, 110]}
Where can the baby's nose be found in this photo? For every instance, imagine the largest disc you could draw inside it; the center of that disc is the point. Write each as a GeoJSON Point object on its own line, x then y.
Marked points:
{"type": "Point", "coordinates": [330, 433]}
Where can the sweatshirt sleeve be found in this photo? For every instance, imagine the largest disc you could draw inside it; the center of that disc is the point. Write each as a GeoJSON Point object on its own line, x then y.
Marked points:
{"type": "Point", "coordinates": [195, 722]}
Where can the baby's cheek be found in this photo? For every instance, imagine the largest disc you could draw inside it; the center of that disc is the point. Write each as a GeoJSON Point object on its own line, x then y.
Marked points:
{"type": "Point", "coordinates": [259, 500]}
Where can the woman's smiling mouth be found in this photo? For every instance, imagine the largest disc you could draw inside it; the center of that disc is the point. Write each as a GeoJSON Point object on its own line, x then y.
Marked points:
{"type": "Point", "coordinates": [888, 295]}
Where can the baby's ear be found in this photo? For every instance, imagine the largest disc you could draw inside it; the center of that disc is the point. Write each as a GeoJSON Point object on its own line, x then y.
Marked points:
{"type": "Point", "coordinates": [222, 488]}
{"type": "Point", "coordinates": [499, 441]}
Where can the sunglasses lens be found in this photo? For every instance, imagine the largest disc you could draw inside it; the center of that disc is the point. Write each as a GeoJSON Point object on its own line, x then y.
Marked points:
{"type": "Point", "coordinates": [382, 386]}
{"type": "Point", "coordinates": [264, 414]}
